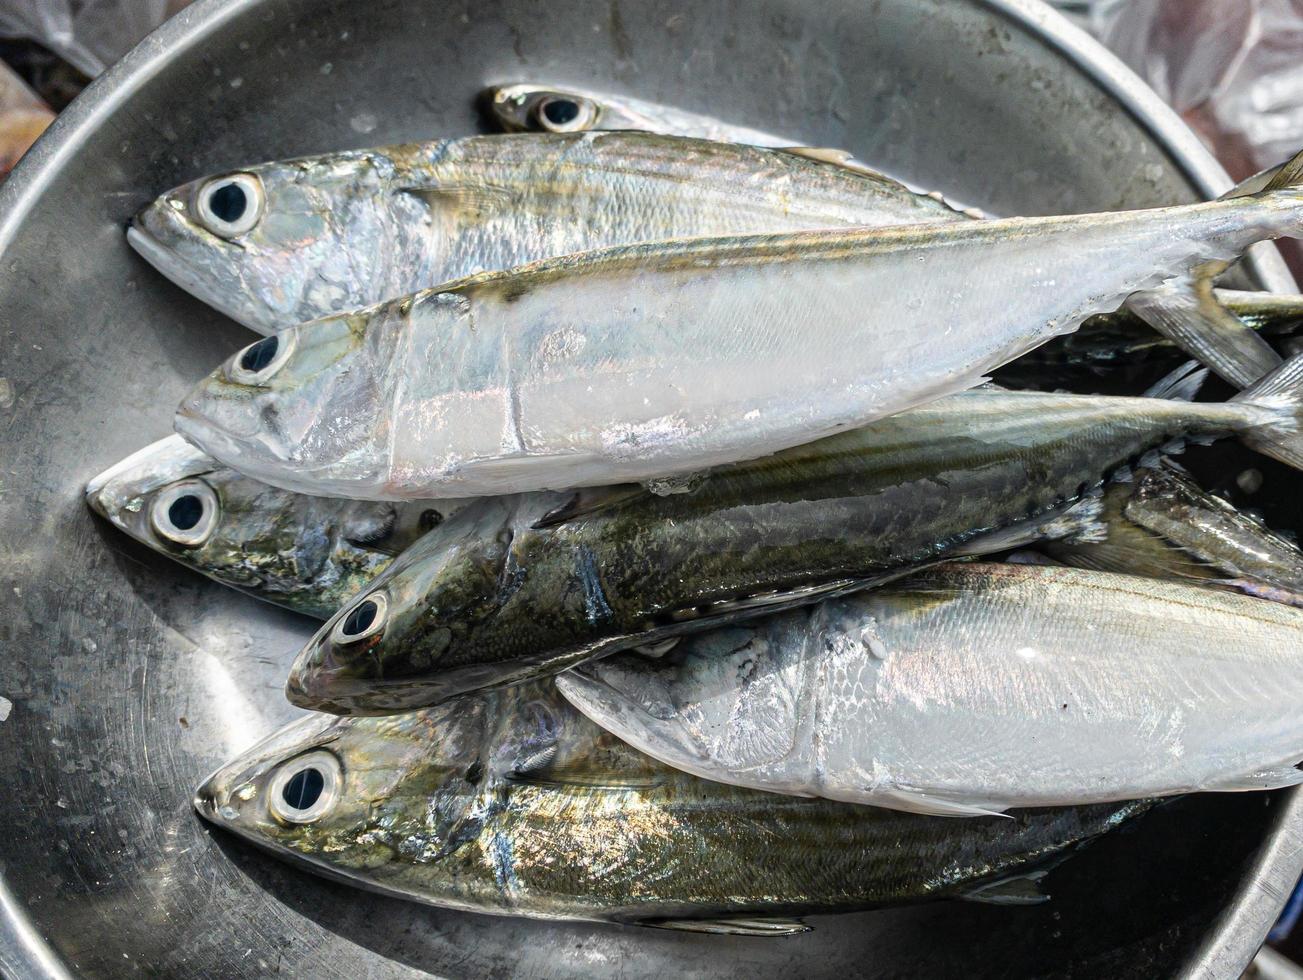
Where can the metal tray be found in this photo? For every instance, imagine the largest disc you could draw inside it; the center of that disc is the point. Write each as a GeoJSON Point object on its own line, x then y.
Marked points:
{"type": "Point", "coordinates": [131, 678]}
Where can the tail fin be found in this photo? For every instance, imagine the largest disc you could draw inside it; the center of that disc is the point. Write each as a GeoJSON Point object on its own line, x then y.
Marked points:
{"type": "Point", "coordinates": [1190, 314]}
{"type": "Point", "coordinates": [1282, 392]}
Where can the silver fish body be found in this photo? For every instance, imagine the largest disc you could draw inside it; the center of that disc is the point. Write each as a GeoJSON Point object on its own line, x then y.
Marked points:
{"type": "Point", "coordinates": [653, 360]}
{"type": "Point", "coordinates": [336, 232]}
{"type": "Point", "coordinates": [513, 803]}
{"type": "Point", "coordinates": [970, 689]}
{"type": "Point", "coordinates": [309, 554]}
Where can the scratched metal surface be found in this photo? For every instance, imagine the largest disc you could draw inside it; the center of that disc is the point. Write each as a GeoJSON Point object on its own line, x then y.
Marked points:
{"type": "Point", "coordinates": [130, 679]}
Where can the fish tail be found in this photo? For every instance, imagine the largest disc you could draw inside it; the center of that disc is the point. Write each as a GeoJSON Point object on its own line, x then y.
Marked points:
{"type": "Point", "coordinates": [1280, 395]}
{"type": "Point", "coordinates": [1190, 313]}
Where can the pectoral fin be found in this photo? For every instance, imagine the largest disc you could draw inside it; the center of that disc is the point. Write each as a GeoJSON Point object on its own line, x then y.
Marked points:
{"type": "Point", "coordinates": [1277, 777]}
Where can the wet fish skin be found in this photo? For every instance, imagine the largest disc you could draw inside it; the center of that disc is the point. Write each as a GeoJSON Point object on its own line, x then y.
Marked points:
{"type": "Point", "coordinates": [1165, 525]}
{"type": "Point", "coordinates": [972, 688]}
{"type": "Point", "coordinates": [518, 586]}
{"type": "Point", "coordinates": [308, 554]}
{"type": "Point", "coordinates": [570, 377]}
{"type": "Point", "coordinates": [513, 803]}
{"type": "Point", "coordinates": [341, 231]}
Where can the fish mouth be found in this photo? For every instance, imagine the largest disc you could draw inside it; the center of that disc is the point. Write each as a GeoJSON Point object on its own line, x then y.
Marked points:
{"type": "Point", "coordinates": [162, 462]}
{"type": "Point", "coordinates": [176, 270]}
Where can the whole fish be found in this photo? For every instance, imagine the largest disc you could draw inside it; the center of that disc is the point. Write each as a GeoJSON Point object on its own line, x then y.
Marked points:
{"type": "Point", "coordinates": [518, 586]}
{"type": "Point", "coordinates": [659, 359]}
{"type": "Point", "coordinates": [280, 243]}
{"type": "Point", "coordinates": [1164, 525]}
{"type": "Point", "coordinates": [514, 804]}
{"type": "Point", "coordinates": [528, 107]}
{"type": "Point", "coordinates": [308, 554]}
{"type": "Point", "coordinates": [970, 689]}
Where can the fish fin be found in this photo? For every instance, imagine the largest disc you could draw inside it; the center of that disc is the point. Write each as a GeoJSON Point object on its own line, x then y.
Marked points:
{"type": "Point", "coordinates": [1132, 550]}
{"type": "Point", "coordinates": [1188, 312]}
{"type": "Point", "coordinates": [823, 154]}
{"type": "Point", "coordinates": [1261, 590]}
{"type": "Point", "coordinates": [1254, 184]}
{"type": "Point", "coordinates": [594, 500]}
{"type": "Point", "coordinates": [915, 802]}
{"type": "Point", "coordinates": [1274, 777]}
{"type": "Point", "coordinates": [477, 199]}
{"type": "Point", "coordinates": [1281, 390]}
{"type": "Point", "coordinates": [1180, 385]}
{"type": "Point", "coordinates": [1022, 889]}
{"type": "Point", "coordinates": [1078, 521]}
{"type": "Point", "coordinates": [757, 926]}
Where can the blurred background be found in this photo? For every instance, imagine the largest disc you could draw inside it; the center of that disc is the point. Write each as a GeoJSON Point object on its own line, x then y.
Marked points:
{"type": "Point", "coordinates": [1233, 69]}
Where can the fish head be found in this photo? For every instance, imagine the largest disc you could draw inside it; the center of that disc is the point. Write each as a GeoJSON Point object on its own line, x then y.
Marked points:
{"type": "Point", "coordinates": [397, 645]}
{"type": "Point", "coordinates": [279, 243]}
{"type": "Point", "coordinates": [535, 108]}
{"type": "Point", "coordinates": [279, 545]}
{"type": "Point", "coordinates": [358, 797]}
{"type": "Point", "coordinates": [304, 408]}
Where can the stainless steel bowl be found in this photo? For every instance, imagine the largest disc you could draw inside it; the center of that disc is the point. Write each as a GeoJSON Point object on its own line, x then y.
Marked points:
{"type": "Point", "coordinates": [130, 679]}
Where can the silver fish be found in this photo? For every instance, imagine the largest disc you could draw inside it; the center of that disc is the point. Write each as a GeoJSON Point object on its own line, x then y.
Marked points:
{"type": "Point", "coordinates": [281, 243]}
{"type": "Point", "coordinates": [653, 360]}
{"type": "Point", "coordinates": [970, 689]}
{"type": "Point", "coordinates": [309, 554]}
{"type": "Point", "coordinates": [527, 107]}
{"type": "Point", "coordinates": [515, 804]}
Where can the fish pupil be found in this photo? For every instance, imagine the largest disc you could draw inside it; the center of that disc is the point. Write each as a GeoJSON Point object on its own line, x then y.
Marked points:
{"type": "Point", "coordinates": [304, 788]}
{"type": "Point", "coordinates": [560, 111]}
{"type": "Point", "coordinates": [259, 355]}
{"type": "Point", "coordinates": [185, 512]}
{"type": "Point", "coordinates": [361, 618]}
{"type": "Point", "coordinates": [228, 202]}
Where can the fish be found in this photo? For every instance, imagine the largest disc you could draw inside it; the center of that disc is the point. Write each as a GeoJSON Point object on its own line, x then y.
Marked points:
{"type": "Point", "coordinates": [529, 107]}
{"type": "Point", "coordinates": [512, 803]}
{"type": "Point", "coordinates": [973, 688]}
{"type": "Point", "coordinates": [315, 236]}
{"type": "Point", "coordinates": [520, 586]}
{"type": "Point", "coordinates": [1186, 313]}
{"type": "Point", "coordinates": [1164, 525]}
{"type": "Point", "coordinates": [659, 359]}
{"type": "Point", "coordinates": [308, 554]}
{"type": "Point", "coordinates": [281, 243]}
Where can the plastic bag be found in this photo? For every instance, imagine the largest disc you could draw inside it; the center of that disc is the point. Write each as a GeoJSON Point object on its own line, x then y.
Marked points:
{"type": "Point", "coordinates": [89, 34]}
{"type": "Point", "coordinates": [23, 117]}
{"type": "Point", "coordinates": [1230, 67]}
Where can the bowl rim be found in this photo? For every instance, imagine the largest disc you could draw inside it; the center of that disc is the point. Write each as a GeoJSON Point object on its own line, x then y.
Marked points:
{"type": "Point", "coordinates": [1240, 930]}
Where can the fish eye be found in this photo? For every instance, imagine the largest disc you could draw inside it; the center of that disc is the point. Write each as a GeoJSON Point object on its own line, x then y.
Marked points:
{"type": "Point", "coordinates": [365, 619]}
{"type": "Point", "coordinates": [564, 114]}
{"type": "Point", "coordinates": [305, 789]}
{"type": "Point", "coordinates": [231, 205]}
{"type": "Point", "coordinates": [185, 513]}
{"type": "Point", "coordinates": [259, 361]}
